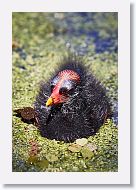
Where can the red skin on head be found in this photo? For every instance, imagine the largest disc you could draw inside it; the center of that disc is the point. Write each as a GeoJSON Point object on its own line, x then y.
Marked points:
{"type": "Point", "coordinates": [63, 75]}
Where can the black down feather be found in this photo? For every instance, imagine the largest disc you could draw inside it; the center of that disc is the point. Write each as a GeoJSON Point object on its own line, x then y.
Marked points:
{"type": "Point", "coordinates": [81, 116]}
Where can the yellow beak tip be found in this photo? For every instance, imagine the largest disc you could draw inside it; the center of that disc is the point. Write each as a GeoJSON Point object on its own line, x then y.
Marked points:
{"type": "Point", "coordinates": [49, 102]}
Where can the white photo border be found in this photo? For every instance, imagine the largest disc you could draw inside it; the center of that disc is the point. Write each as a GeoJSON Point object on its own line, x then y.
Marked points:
{"type": "Point", "coordinates": [123, 174]}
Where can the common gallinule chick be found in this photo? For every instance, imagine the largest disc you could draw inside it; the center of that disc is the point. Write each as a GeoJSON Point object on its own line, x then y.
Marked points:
{"type": "Point", "coordinates": [71, 105]}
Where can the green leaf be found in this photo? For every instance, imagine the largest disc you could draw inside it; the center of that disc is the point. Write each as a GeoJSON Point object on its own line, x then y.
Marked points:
{"type": "Point", "coordinates": [87, 153]}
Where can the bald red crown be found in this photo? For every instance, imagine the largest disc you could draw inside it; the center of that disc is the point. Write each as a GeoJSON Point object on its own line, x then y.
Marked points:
{"type": "Point", "coordinates": [69, 74]}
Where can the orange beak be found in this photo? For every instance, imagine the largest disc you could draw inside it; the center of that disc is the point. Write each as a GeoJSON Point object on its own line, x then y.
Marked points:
{"type": "Point", "coordinates": [49, 102]}
{"type": "Point", "coordinates": [55, 100]}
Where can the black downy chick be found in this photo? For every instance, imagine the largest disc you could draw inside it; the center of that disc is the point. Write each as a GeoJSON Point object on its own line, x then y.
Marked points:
{"type": "Point", "coordinates": [72, 105]}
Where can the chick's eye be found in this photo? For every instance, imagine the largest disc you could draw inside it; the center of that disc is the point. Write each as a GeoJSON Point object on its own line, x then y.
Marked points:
{"type": "Point", "coordinates": [63, 90]}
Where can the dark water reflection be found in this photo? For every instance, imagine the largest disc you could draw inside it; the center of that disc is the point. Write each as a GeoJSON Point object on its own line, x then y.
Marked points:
{"type": "Point", "coordinates": [101, 28]}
